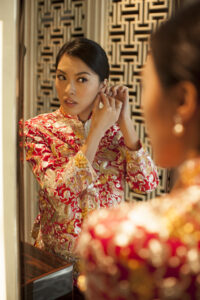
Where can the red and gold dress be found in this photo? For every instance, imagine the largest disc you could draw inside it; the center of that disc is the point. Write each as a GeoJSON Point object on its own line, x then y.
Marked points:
{"type": "Point", "coordinates": [70, 186]}
{"type": "Point", "coordinates": [148, 250]}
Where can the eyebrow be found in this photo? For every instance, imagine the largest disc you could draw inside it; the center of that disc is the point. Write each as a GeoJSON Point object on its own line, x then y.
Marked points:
{"type": "Point", "coordinates": [77, 74]}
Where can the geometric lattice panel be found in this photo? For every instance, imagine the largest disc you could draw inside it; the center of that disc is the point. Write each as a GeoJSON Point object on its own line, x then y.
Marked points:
{"type": "Point", "coordinates": [130, 23]}
{"type": "Point", "coordinates": [58, 21]}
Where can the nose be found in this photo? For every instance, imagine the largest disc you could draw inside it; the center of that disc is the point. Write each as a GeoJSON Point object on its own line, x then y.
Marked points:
{"type": "Point", "coordinates": [70, 88]}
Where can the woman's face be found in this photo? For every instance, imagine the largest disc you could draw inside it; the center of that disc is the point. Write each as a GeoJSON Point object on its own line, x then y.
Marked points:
{"type": "Point", "coordinates": [159, 111]}
{"type": "Point", "coordinates": [77, 86]}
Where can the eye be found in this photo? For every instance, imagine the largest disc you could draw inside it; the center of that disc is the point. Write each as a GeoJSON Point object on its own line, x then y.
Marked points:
{"type": "Point", "coordinates": [61, 77]}
{"type": "Point", "coordinates": [82, 79]}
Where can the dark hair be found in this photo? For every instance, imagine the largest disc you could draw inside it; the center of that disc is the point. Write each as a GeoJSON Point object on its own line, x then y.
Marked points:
{"type": "Point", "coordinates": [91, 53]}
{"type": "Point", "coordinates": [175, 48]}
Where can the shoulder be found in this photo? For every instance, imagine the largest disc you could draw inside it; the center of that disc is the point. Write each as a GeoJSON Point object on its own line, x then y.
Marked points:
{"type": "Point", "coordinates": [42, 119]}
{"type": "Point", "coordinates": [145, 242]}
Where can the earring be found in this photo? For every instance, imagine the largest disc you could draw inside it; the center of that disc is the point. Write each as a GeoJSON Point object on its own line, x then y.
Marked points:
{"type": "Point", "coordinates": [178, 128]}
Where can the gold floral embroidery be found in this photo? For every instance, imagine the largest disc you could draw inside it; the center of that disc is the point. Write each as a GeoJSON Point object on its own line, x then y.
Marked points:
{"type": "Point", "coordinates": [128, 156]}
{"type": "Point", "coordinates": [81, 161]}
{"type": "Point", "coordinates": [103, 178]}
{"type": "Point", "coordinates": [70, 227]}
{"type": "Point", "coordinates": [29, 152]}
{"type": "Point", "coordinates": [85, 212]}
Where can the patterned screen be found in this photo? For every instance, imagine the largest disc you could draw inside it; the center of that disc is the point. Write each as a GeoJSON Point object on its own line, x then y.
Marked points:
{"type": "Point", "coordinates": [58, 22]}
{"type": "Point", "coordinates": [130, 23]}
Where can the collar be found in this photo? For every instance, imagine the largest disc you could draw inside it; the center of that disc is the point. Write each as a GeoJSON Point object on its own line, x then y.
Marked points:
{"type": "Point", "coordinates": [67, 115]}
{"type": "Point", "coordinates": [75, 117]}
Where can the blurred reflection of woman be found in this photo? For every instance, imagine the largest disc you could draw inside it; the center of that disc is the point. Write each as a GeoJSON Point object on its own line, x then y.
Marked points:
{"type": "Point", "coordinates": [82, 153]}
{"type": "Point", "coordinates": [152, 250]}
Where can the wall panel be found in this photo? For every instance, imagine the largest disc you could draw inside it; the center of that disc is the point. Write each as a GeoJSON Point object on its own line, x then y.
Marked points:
{"type": "Point", "coordinates": [130, 23]}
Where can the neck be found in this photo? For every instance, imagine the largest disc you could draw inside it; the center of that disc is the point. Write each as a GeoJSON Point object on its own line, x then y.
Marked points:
{"type": "Point", "coordinates": [188, 145]}
{"type": "Point", "coordinates": [83, 116]}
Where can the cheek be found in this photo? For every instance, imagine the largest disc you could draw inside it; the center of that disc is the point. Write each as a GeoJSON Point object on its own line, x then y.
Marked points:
{"type": "Point", "coordinates": [88, 91]}
{"type": "Point", "coordinates": [151, 110]}
{"type": "Point", "coordinates": [159, 128]}
{"type": "Point", "coordinates": [58, 88]}
{"type": "Point", "coordinates": [158, 121]}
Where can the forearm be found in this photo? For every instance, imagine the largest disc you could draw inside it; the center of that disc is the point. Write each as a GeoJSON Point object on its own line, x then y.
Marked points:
{"type": "Point", "coordinates": [90, 147]}
{"type": "Point", "coordinates": [141, 172]}
{"type": "Point", "coordinates": [130, 136]}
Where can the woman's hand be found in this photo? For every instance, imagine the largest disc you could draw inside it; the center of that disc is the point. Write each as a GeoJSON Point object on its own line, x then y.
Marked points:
{"type": "Point", "coordinates": [120, 92]}
{"type": "Point", "coordinates": [105, 117]}
{"type": "Point", "coordinates": [102, 119]}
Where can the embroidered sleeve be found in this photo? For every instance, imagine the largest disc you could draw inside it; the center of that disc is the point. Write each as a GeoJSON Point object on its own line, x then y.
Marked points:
{"type": "Point", "coordinates": [142, 251]}
{"type": "Point", "coordinates": [62, 177]}
{"type": "Point", "coordinates": [142, 174]}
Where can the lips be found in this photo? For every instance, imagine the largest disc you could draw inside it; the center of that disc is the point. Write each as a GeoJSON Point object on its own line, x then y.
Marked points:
{"type": "Point", "coordinates": [69, 101]}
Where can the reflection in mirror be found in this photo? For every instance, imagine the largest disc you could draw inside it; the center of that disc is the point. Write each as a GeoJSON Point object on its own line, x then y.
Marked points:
{"type": "Point", "coordinates": [68, 187]}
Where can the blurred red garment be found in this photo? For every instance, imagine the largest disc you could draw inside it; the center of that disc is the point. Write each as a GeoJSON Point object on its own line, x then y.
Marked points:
{"type": "Point", "coordinates": [147, 250]}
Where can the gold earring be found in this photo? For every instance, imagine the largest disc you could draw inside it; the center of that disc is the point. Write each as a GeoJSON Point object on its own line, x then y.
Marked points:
{"type": "Point", "coordinates": [178, 128]}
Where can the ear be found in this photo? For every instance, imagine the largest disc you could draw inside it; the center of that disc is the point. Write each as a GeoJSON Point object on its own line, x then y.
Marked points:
{"type": "Point", "coordinates": [103, 85]}
{"type": "Point", "coordinates": [188, 100]}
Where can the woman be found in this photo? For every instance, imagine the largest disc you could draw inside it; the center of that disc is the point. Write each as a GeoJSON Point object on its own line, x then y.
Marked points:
{"type": "Point", "coordinates": [82, 153]}
{"type": "Point", "coordinates": [152, 250]}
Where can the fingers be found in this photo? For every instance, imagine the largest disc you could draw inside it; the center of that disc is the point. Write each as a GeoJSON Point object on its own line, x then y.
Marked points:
{"type": "Point", "coordinates": [118, 104]}
{"type": "Point", "coordinates": [116, 89]}
{"type": "Point", "coordinates": [111, 102]}
{"type": "Point", "coordinates": [118, 107]}
{"type": "Point", "coordinates": [113, 91]}
{"type": "Point", "coordinates": [105, 100]}
{"type": "Point", "coordinates": [125, 91]}
{"type": "Point", "coordinates": [103, 89]}
{"type": "Point", "coordinates": [110, 91]}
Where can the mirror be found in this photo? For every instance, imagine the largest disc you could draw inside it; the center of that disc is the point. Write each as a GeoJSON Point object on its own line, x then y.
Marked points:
{"type": "Point", "coordinates": [122, 27]}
